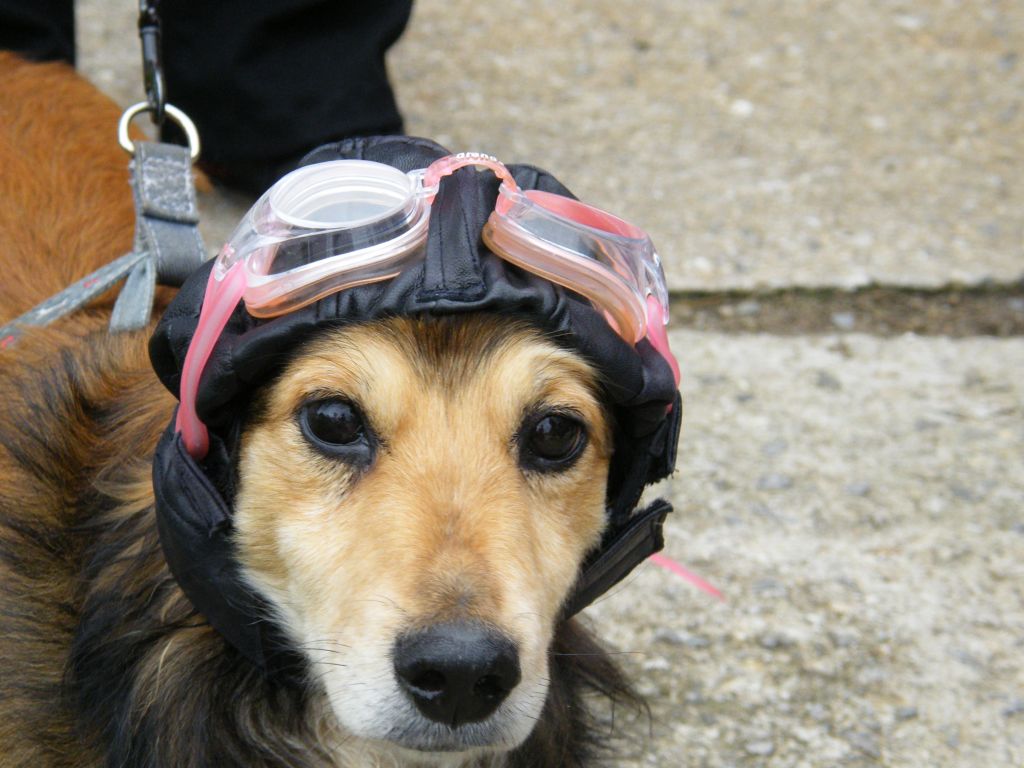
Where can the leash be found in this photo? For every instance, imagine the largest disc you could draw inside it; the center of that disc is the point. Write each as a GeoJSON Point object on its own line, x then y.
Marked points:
{"type": "Point", "coordinates": [167, 245]}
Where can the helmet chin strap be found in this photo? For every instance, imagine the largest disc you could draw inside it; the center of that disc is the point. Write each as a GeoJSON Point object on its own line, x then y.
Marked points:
{"type": "Point", "coordinates": [622, 549]}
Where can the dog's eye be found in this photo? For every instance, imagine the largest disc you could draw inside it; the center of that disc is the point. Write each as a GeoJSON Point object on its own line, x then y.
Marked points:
{"type": "Point", "coordinates": [333, 425]}
{"type": "Point", "coordinates": [552, 442]}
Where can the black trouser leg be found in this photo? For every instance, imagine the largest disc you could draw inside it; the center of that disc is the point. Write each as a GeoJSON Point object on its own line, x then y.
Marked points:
{"type": "Point", "coordinates": [42, 30]}
{"type": "Point", "coordinates": [267, 80]}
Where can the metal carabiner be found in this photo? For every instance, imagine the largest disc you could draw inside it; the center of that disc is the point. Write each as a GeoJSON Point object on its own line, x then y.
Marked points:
{"type": "Point", "coordinates": [152, 63]}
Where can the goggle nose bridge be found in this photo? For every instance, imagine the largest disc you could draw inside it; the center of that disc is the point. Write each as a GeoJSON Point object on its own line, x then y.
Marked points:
{"type": "Point", "coordinates": [446, 166]}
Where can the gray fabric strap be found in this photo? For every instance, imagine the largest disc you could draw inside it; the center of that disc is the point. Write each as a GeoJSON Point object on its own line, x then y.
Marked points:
{"type": "Point", "coordinates": [135, 302]}
{"type": "Point", "coordinates": [166, 218]}
{"type": "Point", "coordinates": [73, 297]}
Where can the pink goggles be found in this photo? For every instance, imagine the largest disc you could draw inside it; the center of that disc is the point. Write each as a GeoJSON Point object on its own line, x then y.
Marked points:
{"type": "Point", "coordinates": [339, 224]}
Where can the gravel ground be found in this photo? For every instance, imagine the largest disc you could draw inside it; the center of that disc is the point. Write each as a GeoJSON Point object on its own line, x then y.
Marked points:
{"type": "Point", "coordinates": [858, 499]}
{"type": "Point", "coordinates": [859, 502]}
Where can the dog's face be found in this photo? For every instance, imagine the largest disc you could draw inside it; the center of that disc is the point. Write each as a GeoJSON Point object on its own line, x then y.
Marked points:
{"type": "Point", "coordinates": [415, 500]}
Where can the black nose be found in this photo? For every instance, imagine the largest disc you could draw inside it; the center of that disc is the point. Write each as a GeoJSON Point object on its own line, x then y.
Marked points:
{"type": "Point", "coordinates": [458, 672]}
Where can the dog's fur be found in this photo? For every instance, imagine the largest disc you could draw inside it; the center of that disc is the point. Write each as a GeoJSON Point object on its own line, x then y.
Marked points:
{"type": "Point", "coordinates": [104, 660]}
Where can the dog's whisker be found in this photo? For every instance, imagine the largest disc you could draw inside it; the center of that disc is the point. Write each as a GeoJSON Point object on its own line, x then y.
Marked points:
{"type": "Point", "coordinates": [326, 663]}
{"type": "Point", "coordinates": [602, 653]}
{"type": "Point", "coordinates": [319, 646]}
{"type": "Point", "coordinates": [310, 648]}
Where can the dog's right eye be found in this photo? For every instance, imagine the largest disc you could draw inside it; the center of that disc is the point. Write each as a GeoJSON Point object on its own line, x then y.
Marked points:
{"type": "Point", "coordinates": [335, 427]}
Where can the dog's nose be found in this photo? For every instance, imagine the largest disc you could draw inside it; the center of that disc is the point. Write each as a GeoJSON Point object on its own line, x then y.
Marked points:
{"type": "Point", "coordinates": [456, 672]}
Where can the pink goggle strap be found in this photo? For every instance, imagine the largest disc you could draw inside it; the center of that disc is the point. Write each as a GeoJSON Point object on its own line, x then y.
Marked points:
{"type": "Point", "coordinates": [588, 216]}
{"type": "Point", "coordinates": [657, 334]}
{"type": "Point", "coordinates": [222, 296]}
{"type": "Point", "coordinates": [682, 572]}
{"type": "Point", "coordinates": [446, 166]}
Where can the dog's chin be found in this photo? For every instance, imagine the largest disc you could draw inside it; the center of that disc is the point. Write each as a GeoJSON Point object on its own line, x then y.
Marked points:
{"type": "Point", "coordinates": [467, 740]}
{"type": "Point", "coordinates": [402, 733]}
{"type": "Point", "coordinates": [415, 734]}
{"type": "Point", "coordinates": [441, 749]}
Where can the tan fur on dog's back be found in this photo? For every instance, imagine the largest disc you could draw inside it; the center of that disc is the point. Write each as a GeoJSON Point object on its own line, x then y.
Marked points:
{"type": "Point", "coordinates": [65, 198]}
{"type": "Point", "coordinates": [64, 210]}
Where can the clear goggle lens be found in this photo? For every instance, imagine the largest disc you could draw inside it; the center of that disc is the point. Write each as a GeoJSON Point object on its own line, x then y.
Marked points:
{"type": "Point", "coordinates": [585, 249]}
{"type": "Point", "coordinates": [324, 228]}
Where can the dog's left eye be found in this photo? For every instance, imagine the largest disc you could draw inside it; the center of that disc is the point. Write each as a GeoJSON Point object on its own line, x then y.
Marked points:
{"type": "Point", "coordinates": [335, 426]}
{"type": "Point", "coordinates": [551, 442]}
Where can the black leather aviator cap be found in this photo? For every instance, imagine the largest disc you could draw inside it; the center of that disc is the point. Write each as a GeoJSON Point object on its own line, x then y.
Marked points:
{"type": "Point", "coordinates": [458, 275]}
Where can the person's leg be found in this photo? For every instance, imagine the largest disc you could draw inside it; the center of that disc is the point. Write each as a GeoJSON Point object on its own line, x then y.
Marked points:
{"type": "Point", "coordinates": [41, 30]}
{"type": "Point", "coordinates": [267, 80]}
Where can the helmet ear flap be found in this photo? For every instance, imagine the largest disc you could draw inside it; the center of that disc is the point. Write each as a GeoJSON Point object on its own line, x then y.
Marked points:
{"type": "Point", "coordinates": [194, 524]}
{"type": "Point", "coordinates": [632, 535]}
{"type": "Point", "coordinates": [640, 461]}
{"type": "Point", "coordinates": [665, 444]}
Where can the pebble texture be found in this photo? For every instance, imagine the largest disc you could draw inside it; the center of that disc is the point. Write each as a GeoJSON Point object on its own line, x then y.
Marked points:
{"type": "Point", "coordinates": [763, 144]}
{"type": "Point", "coordinates": [874, 610]}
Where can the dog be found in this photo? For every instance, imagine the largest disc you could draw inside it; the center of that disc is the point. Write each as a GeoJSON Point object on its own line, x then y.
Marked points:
{"type": "Point", "coordinates": [466, 492]}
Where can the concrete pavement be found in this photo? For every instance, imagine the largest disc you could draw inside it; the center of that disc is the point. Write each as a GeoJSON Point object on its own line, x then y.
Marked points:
{"type": "Point", "coordinates": [816, 142]}
{"type": "Point", "coordinates": [764, 144]}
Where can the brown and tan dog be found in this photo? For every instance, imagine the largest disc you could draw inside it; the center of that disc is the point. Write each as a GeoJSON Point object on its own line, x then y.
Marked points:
{"type": "Point", "coordinates": [105, 662]}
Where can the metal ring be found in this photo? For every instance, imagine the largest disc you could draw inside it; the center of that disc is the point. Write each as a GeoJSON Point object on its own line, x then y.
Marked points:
{"type": "Point", "coordinates": [173, 112]}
